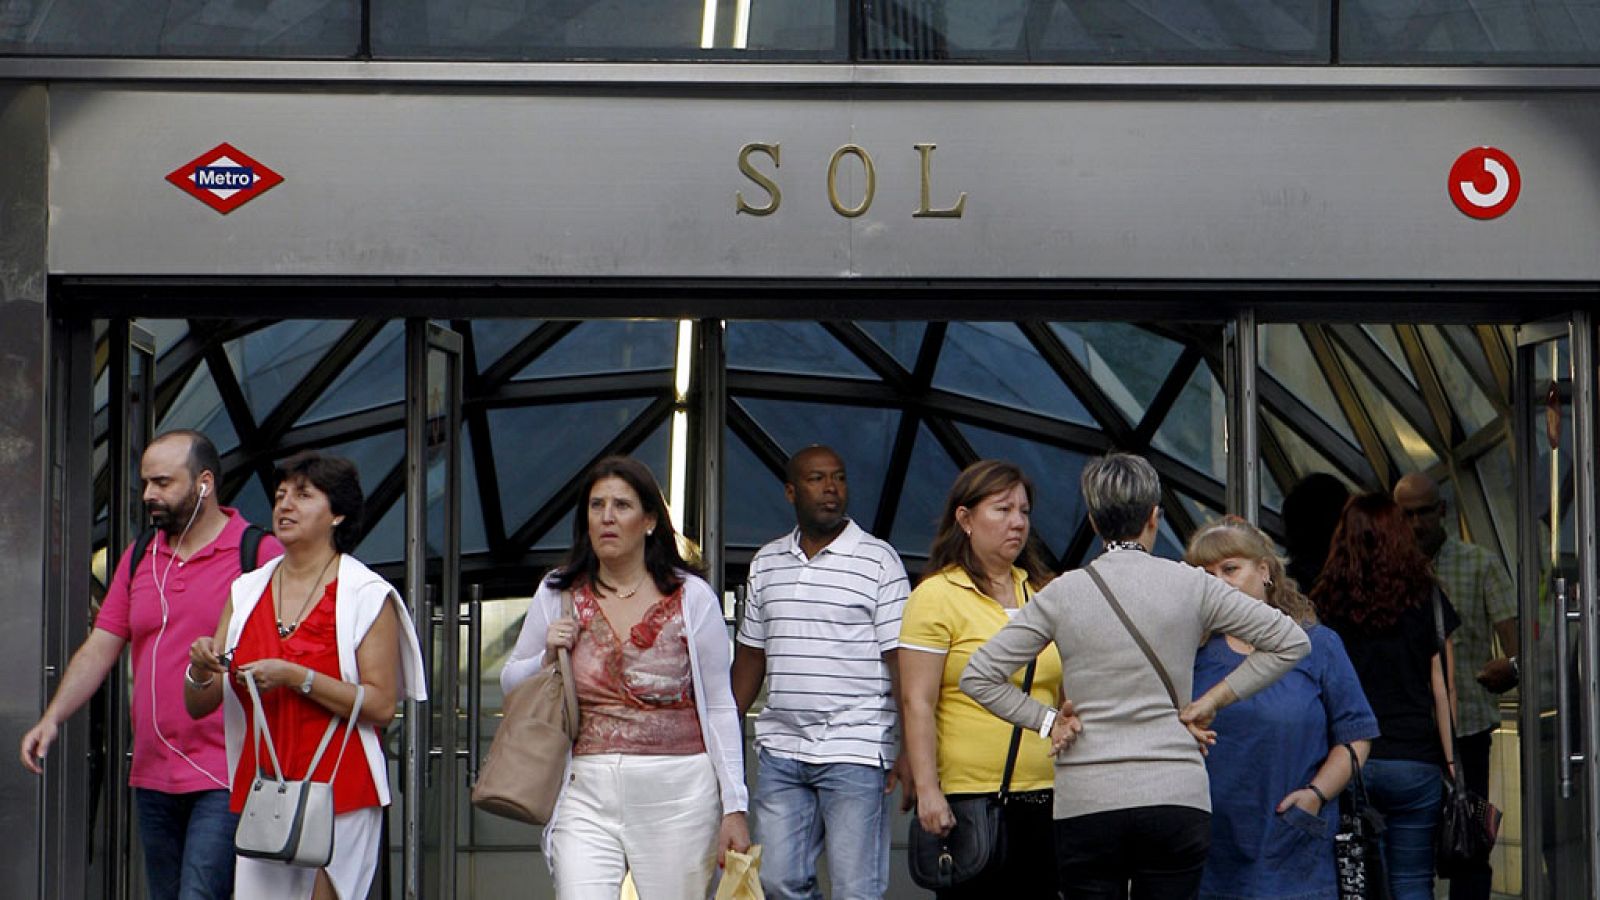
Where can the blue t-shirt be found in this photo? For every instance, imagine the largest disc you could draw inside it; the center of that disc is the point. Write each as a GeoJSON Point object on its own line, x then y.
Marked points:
{"type": "Point", "coordinates": [1267, 746]}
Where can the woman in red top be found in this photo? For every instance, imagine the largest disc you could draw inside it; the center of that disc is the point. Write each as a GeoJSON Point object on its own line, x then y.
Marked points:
{"type": "Point", "coordinates": [292, 640]}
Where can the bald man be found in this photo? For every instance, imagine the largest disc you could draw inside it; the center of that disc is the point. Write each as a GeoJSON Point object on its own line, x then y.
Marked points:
{"type": "Point", "coordinates": [1481, 592]}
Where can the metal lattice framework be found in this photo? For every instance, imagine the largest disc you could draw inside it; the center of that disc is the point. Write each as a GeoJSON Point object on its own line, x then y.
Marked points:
{"type": "Point", "coordinates": [1397, 406]}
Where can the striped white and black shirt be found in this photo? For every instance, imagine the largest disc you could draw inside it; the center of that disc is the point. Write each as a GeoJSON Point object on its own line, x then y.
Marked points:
{"type": "Point", "coordinates": [824, 624]}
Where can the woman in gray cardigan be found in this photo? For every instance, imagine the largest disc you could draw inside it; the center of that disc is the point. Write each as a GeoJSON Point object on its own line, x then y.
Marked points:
{"type": "Point", "coordinates": [1132, 802]}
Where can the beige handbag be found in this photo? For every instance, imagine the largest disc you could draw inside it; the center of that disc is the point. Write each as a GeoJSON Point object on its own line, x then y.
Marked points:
{"type": "Point", "coordinates": [522, 776]}
{"type": "Point", "coordinates": [291, 821]}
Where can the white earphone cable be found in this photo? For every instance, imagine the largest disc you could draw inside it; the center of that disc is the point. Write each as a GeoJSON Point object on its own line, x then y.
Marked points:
{"type": "Point", "coordinates": [155, 647]}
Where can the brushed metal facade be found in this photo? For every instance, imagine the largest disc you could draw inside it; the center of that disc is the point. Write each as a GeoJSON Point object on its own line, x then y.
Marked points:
{"type": "Point", "coordinates": [1063, 183]}
{"type": "Point", "coordinates": [25, 535]}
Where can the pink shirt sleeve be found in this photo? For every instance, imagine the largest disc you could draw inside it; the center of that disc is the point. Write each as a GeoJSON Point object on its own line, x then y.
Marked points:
{"type": "Point", "coordinates": [113, 615]}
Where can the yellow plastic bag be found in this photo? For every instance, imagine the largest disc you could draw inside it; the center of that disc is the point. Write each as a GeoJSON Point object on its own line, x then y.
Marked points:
{"type": "Point", "coordinates": [741, 876]}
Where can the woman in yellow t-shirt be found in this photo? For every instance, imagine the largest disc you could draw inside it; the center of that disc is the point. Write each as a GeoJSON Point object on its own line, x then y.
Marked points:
{"type": "Point", "coordinates": [981, 569]}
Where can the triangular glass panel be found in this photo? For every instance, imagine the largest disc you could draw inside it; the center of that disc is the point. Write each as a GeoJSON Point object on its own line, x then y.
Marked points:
{"type": "Point", "coordinates": [1304, 458]}
{"type": "Point", "coordinates": [1284, 354]}
{"type": "Point", "coordinates": [199, 406]}
{"type": "Point", "coordinates": [928, 480]}
{"type": "Point", "coordinates": [1468, 401]}
{"type": "Point", "coordinates": [1383, 335]}
{"type": "Point", "coordinates": [269, 363]}
{"type": "Point", "coordinates": [994, 361]}
{"type": "Point", "coordinates": [799, 348]}
{"type": "Point", "coordinates": [540, 448]}
{"type": "Point", "coordinates": [1128, 363]}
{"type": "Point", "coordinates": [1195, 429]}
{"type": "Point", "coordinates": [376, 377]}
{"type": "Point", "coordinates": [491, 338]}
{"type": "Point", "coordinates": [903, 340]}
{"type": "Point", "coordinates": [653, 451]}
{"type": "Point", "coordinates": [755, 510]}
{"type": "Point", "coordinates": [608, 345]}
{"type": "Point", "coordinates": [1404, 443]}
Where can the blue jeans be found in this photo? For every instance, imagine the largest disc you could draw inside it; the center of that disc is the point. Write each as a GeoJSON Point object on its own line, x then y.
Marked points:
{"type": "Point", "coordinates": [800, 806]}
{"type": "Point", "coordinates": [188, 844]}
{"type": "Point", "coordinates": [1408, 795]}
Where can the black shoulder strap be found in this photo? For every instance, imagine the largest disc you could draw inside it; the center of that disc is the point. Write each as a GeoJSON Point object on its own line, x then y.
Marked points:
{"type": "Point", "coordinates": [141, 546]}
{"type": "Point", "coordinates": [250, 547]}
{"type": "Point", "coordinates": [1138, 638]}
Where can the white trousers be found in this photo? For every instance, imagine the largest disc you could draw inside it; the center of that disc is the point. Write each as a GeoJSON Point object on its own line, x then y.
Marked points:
{"type": "Point", "coordinates": [657, 816]}
{"type": "Point", "coordinates": [356, 847]}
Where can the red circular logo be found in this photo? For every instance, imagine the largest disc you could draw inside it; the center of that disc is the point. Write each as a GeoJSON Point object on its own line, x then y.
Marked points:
{"type": "Point", "coordinates": [1484, 183]}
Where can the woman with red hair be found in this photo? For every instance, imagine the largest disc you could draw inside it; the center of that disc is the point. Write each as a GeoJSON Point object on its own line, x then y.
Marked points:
{"type": "Point", "coordinates": [1377, 592]}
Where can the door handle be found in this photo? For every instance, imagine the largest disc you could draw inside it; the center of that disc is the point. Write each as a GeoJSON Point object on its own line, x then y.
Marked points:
{"type": "Point", "coordinates": [1563, 615]}
{"type": "Point", "coordinates": [474, 680]}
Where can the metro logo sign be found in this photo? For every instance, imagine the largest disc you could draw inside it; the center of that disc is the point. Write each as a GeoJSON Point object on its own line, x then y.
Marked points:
{"type": "Point", "coordinates": [224, 178]}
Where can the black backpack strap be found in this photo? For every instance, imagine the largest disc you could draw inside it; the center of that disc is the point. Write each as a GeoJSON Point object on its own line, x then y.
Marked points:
{"type": "Point", "coordinates": [250, 547]}
{"type": "Point", "coordinates": [141, 546]}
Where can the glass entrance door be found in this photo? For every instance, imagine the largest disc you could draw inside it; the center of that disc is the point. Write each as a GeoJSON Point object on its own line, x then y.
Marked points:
{"type": "Point", "coordinates": [1556, 585]}
{"type": "Point", "coordinates": [431, 762]}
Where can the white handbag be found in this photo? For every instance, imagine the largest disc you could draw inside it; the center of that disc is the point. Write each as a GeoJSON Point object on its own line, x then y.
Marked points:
{"type": "Point", "coordinates": [291, 821]}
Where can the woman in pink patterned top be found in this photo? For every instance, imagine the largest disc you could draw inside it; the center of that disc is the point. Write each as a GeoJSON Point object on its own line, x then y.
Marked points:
{"type": "Point", "coordinates": [656, 781]}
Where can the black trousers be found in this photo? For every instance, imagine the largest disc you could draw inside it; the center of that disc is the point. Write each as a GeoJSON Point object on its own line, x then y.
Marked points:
{"type": "Point", "coordinates": [1474, 762]}
{"type": "Point", "coordinates": [1146, 853]}
{"type": "Point", "coordinates": [1028, 871]}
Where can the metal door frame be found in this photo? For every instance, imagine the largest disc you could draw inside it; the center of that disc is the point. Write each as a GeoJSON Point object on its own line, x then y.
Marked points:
{"type": "Point", "coordinates": [430, 610]}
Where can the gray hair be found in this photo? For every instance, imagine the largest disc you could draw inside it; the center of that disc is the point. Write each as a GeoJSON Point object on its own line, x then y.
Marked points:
{"type": "Point", "coordinates": [1120, 490]}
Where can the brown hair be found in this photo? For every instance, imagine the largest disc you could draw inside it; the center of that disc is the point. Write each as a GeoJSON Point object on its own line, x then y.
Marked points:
{"type": "Point", "coordinates": [1231, 537]}
{"type": "Point", "coordinates": [1375, 571]}
{"type": "Point", "coordinates": [951, 546]}
{"type": "Point", "coordinates": [661, 558]}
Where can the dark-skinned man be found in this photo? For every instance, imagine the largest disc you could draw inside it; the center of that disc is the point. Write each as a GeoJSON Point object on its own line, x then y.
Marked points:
{"type": "Point", "coordinates": [822, 622]}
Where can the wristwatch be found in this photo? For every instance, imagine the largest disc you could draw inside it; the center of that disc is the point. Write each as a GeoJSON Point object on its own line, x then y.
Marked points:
{"type": "Point", "coordinates": [305, 686]}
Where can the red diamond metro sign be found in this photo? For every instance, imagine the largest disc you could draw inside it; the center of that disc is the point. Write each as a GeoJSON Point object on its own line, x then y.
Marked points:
{"type": "Point", "coordinates": [224, 178]}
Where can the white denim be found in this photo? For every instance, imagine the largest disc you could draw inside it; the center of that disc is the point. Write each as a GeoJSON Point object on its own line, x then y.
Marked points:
{"type": "Point", "coordinates": [657, 816]}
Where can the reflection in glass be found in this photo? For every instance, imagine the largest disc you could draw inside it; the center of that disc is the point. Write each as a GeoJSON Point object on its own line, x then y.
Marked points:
{"type": "Point", "coordinates": [756, 511]}
{"type": "Point", "coordinates": [1284, 354]}
{"type": "Point", "coordinates": [1383, 335]}
{"type": "Point", "coordinates": [376, 377]}
{"type": "Point", "coordinates": [995, 361]}
{"type": "Point", "coordinates": [928, 479]}
{"type": "Point", "coordinates": [218, 28]}
{"type": "Point", "coordinates": [199, 406]}
{"type": "Point", "coordinates": [1467, 400]}
{"type": "Point", "coordinates": [802, 348]}
{"type": "Point", "coordinates": [1097, 30]}
{"type": "Point", "coordinates": [1400, 437]}
{"type": "Point", "coordinates": [1455, 32]}
{"type": "Point", "coordinates": [270, 362]}
{"type": "Point", "coordinates": [903, 340]}
{"type": "Point", "coordinates": [1125, 361]}
{"type": "Point", "coordinates": [537, 444]}
{"type": "Point", "coordinates": [1195, 431]}
{"type": "Point", "coordinates": [610, 29]}
{"type": "Point", "coordinates": [598, 348]}
{"type": "Point", "coordinates": [491, 338]}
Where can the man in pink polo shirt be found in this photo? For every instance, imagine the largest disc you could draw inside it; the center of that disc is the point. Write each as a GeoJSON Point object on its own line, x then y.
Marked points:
{"type": "Point", "coordinates": [180, 772]}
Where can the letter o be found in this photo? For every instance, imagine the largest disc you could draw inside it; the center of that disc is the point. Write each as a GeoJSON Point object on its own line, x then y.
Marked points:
{"type": "Point", "coordinates": [850, 212]}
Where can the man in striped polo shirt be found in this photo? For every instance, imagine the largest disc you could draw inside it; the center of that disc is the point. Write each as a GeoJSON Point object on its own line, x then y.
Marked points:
{"type": "Point", "coordinates": [822, 618]}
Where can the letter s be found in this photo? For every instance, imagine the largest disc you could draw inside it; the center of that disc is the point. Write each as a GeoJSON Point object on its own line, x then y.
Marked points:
{"type": "Point", "coordinates": [767, 184]}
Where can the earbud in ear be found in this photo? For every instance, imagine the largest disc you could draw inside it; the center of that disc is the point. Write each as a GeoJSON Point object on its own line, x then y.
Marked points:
{"type": "Point", "coordinates": [204, 490]}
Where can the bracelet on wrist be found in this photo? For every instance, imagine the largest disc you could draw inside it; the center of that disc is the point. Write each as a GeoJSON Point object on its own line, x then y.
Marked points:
{"type": "Point", "coordinates": [1321, 797]}
{"type": "Point", "coordinates": [188, 678]}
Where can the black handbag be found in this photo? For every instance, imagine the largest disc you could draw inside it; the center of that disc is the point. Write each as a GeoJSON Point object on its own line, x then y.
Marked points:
{"type": "Point", "coordinates": [1468, 824]}
{"type": "Point", "coordinates": [978, 840]}
{"type": "Point", "coordinates": [1357, 855]}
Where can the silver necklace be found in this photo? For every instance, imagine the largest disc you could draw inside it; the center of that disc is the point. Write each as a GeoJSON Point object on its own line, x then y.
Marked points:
{"type": "Point", "coordinates": [305, 606]}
